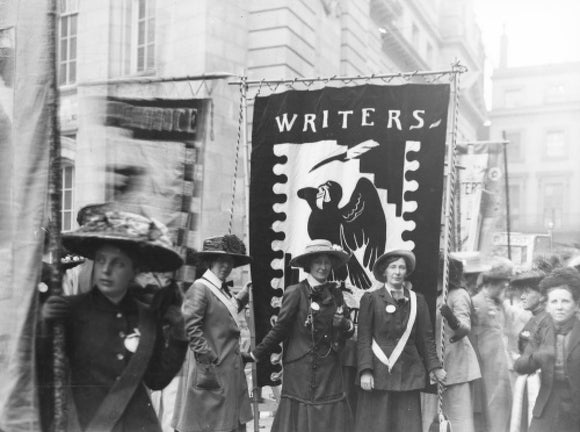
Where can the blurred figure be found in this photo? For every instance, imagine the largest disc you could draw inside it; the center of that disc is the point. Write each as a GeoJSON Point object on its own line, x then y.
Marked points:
{"type": "Point", "coordinates": [526, 386]}
{"type": "Point", "coordinates": [460, 360]}
{"type": "Point", "coordinates": [488, 337]}
{"type": "Point", "coordinates": [555, 350]}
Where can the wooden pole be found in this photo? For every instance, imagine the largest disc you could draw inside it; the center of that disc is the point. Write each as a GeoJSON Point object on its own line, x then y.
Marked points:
{"type": "Point", "coordinates": [54, 244]}
{"type": "Point", "coordinates": [508, 227]}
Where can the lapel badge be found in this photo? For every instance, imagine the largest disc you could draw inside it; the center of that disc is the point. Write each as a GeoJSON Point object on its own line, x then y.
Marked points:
{"type": "Point", "coordinates": [391, 309]}
{"type": "Point", "coordinates": [132, 341]}
{"type": "Point", "coordinates": [315, 306]}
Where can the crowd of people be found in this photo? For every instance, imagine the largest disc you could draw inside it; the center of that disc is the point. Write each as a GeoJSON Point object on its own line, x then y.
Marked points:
{"type": "Point", "coordinates": [504, 351]}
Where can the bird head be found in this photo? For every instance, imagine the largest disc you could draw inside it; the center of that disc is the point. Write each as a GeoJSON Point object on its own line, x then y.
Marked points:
{"type": "Point", "coordinates": [329, 192]}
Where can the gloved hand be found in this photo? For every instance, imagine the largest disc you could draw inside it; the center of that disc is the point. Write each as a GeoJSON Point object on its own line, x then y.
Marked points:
{"type": "Point", "coordinates": [367, 381]}
{"type": "Point", "coordinates": [450, 317]}
{"type": "Point", "coordinates": [458, 334]}
{"type": "Point", "coordinates": [340, 322]}
{"type": "Point", "coordinates": [174, 319]}
{"type": "Point", "coordinates": [56, 308]}
{"type": "Point", "coordinates": [439, 375]}
{"type": "Point", "coordinates": [247, 357]}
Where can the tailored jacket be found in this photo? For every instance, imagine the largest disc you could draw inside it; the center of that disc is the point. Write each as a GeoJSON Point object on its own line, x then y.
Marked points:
{"type": "Point", "coordinates": [95, 334]}
{"type": "Point", "coordinates": [461, 362]}
{"type": "Point", "coordinates": [527, 363]}
{"type": "Point", "coordinates": [419, 354]}
{"type": "Point", "coordinates": [214, 333]}
{"type": "Point", "coordinates": [291, 330]}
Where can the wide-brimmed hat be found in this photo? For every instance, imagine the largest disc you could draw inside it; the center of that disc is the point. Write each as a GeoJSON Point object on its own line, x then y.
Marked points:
{"type": "Point", "coordinates": [529, 279]}
{"type": "Point", "coordinates": [381, 262]}
{"type": "Point", "coordinates": [501, 269]}
{"type": "Point", "coordinates": [141, 236]}
{"type": "Point", "coordinates": [228, 244]}
{"type": "Point", "coordinates": [320, 246]}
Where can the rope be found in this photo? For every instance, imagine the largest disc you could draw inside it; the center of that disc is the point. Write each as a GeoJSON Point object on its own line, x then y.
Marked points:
{"type": "Point", "coordinates": [449, 207]}
{"type": "Point", "coordinates": [243, 89]}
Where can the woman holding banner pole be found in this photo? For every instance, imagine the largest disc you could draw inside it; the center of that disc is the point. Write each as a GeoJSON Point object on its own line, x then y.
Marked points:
{"type": "Point", "coordinates": [396, 349]}
{"type": "Point", "coordinates": [313, 324]}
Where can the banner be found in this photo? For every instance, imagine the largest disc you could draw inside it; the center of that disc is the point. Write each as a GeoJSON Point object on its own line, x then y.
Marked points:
{"type": "Point", "coordinates": [24, 155]}
{"type": "Point", "coordinates": [359, 166]}
{"type": "Point", "coordinates": [154, 163]}
{"type": "Point", "coordinates": [473, 161]}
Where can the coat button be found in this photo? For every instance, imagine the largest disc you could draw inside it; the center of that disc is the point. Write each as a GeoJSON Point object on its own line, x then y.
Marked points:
{"type": "Point", "coordinates": [122, 334]}
{"type": "Point", "coordinates": [119, 315]}
{"type": "Point", "coordinates": [120, 356]}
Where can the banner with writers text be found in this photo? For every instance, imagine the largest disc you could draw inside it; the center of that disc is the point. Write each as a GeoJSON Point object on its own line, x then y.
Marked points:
{"type": "Point", "coordinates": [359, 166]}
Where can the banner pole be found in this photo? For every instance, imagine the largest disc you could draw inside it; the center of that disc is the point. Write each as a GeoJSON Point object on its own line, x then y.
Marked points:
{"type": "Point", "coordinates": [449, 217]}
{"type": "Point", "coordinates": [251, 321]}
{"type": "Point", "coordinates": [54, 188]}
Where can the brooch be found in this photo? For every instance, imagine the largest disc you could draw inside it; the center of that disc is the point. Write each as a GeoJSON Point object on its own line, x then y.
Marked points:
{"type": "Point", "coordinates": [132, 341]}
{"type": "Point", "coordinates": [391, 309]}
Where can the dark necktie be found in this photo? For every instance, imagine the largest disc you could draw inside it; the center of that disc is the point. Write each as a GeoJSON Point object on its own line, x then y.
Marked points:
{"type": "Point", "coordinates": [225, 288]}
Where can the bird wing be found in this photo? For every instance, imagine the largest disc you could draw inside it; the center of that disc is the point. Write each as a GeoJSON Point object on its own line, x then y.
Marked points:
{"type": "Point", "coordinates": [363, 222]}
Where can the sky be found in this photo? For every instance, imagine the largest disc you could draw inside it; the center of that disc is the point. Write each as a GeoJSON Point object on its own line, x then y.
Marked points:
{"type": "Point", "coordinates": [539, 31]}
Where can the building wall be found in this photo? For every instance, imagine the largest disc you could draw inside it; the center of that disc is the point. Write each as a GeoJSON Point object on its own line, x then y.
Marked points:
{"type": "Point", "coordinates": [264, 39]}
{"type": "Point", "coordinates": [539, 110]}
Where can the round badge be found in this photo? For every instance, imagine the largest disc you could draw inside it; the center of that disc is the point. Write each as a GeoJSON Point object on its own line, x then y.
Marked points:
{"type": "Point", "coordinates": [390, 309]}
{"type": "Point", "coordinates": [131, 342]}
{"type": "Point", "coordinates": [315, 306]}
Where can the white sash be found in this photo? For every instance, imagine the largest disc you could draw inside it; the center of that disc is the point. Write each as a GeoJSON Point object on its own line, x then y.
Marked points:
{"type": "Point", "coordinates": [389, 362]}
{"type": "Point", "coordinates": [229, 303]}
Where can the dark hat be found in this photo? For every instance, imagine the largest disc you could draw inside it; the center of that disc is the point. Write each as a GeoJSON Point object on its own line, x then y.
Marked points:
{"type": "Point", "coordinates": [320, 246]}
{"type": "Point", "coordinates": [145, 238]}
{"type": "Point", "coordinates": [455, 270]}
{"type": "Point", "coordinates": [229, 245]}
{"type": "Point", "coordinates": [381, 262]}
{"type": "Point", "coordinates": [529, 279]}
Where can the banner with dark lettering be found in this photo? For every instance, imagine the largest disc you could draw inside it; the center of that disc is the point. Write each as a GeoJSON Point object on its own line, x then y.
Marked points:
{"type": "Point", "coordinates": [154, 165]}
{"type": "Point", "coordinates": [360, 166]}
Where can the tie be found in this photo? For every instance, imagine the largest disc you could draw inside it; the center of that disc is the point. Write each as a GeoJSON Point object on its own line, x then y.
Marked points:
{"type": "Point", "coordinates": [398, 295]}
{"type": "Point", "coordinates": [225, 288]}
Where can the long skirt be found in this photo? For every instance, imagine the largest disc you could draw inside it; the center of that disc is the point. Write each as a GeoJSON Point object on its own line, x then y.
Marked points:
{"type": "Point", "coordinates": [380, 411]}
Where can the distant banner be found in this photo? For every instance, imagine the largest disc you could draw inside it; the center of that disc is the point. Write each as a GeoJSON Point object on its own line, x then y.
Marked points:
{"type": "Point", "coordinates": [24, 154]}
{"type": "Point", "coordinates": [359, 166]}
{"type": "Point", "coordinates": [472, 176]}
{"type": "Point", "coordinates": [154, 162]}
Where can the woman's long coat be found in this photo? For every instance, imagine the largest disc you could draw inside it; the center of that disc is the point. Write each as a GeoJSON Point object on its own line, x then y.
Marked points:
{"type": "Point", "coordinates": [211, 329]}
{"type": "Point", "coordinates": [545, 411]}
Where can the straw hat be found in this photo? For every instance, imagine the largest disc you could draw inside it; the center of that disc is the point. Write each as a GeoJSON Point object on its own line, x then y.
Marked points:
{"type": "Point", "coordinates": [530, 279]}
{"type": "Point", "coordinates": [146, 238]}
{"type": "Point", "coordinates": [320, 246]}
{"type": "Point", "coordinates": [381, 262]}
{"type": "Point", "coordinates": [501, 269]}
{"type": "Point", "coordinates": [229, 245]}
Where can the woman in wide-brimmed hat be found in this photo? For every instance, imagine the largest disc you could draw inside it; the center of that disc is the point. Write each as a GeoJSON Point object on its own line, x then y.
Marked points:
{"type": "Point", "coordinates": [396, 349]}
{"type": "Point", "coordinates": [213, 395]}
{"type": "Point", "coordinates": [313, 323]}
{"type": "Point", "coordinates": [114, 342]}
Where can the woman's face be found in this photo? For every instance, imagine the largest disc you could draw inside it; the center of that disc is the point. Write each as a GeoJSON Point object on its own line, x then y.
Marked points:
{"type": "Point", "coordinates": [395, 273]}
{"type": "Point", "coordinates": [222, 267]}
{"type": "Point", "coordinates": [113, 271]}
{"type": "Point", "coordinates": [560, 304]}
{"type": "Point", "coordinates": [530, 298]}
{"type": "Point", "coordinates": [320, 267]}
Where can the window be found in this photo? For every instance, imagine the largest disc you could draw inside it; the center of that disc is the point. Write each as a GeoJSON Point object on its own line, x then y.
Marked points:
{"type": "Point", "coordinates": [553, 193]}
{"type": "Point", "coordinates": [555, 144]}
{"type": "Point", "coordinates": [514, 148]}
{"type": "Point", "coordinates": [138, 36]}
{"type": "Point", "coordinates": [555, 93]}
{"type": "Point", "coordinates": [67, 38]}
{"type": "Point", "coordinates": [66, 210]}
{"type": "Point", "coordinates": [515, 191]}
{"type": "Point", "coordinates": [512, 98]}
